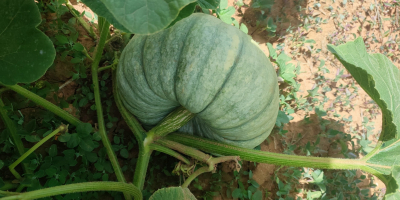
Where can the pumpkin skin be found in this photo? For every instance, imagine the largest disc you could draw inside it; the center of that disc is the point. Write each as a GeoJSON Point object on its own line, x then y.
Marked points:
{"type": "Point", "coordinates": [212, 69]}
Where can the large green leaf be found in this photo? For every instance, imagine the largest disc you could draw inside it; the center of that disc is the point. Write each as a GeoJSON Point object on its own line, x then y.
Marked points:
{"type": "Point", "coordinates": [381, 80]}
{"type": "Point", "coordinates": [185, 12]}
{"type": "Point", "coordinates": [25, 52]}
{"type": "Point", "coordinates": [378, 77]}
{"type": "Point", "coordinates": [208, 4]}
{"type": "Point", "coordinates": [138, 16]}
{"type": "Point", "coordinates": [173, 193]}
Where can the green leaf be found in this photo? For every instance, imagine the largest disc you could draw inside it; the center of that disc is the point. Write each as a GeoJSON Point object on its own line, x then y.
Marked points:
{"type": "Point", "coordinates": [53, 150]}
{"type": "Point", "coordinates": [96, 136]}
{"type": "Point", "coordinates": [286, 71]}
{"type": "Point", "coordinates": [271, 26]}
{"type": "Point", "coordinates": [62, 39]}
{"type": "Point", "coordinates": [104, 177]}
{"type": "Point", "coordinates": [313, 195]}
{"type": "Point", "coordinates": [91, 156]}
{"type": "Point", "coordinates": [208, 4]}
{"type": "Point", "coordinates": [78, 47]}
{"type": "Point", "coordinates": [226, 14]}
{"type": "Point", "coordinates": [1, 164]}
{"type": "Point", "coordinates": [52, 182]}
{"type": "Point", "coordinates": [62, 176]}
{"type": "Point", "coordinates": [281, 119]}
{"type": "Point", "coordinates": [263, 4]}
{"type": "Point", "coordinates": [138, 16]}
{"type": "Point", "coordinates": [32, 138]}
{"type": "Point", "coordinates": [185, 12]}
{"type": "Point", "coordinates": [117, 140]}
{"type": "Point", "coordinates": [272, 52]}
{"type": "Point", "coordinates": [99, 166]}
{"type": "Point", "coordinates": [257, 195]}
{"type": "Point", "coordinates": [30, 126]}
{"type": "Point", "coordinates": [310, 41]}
{"type": "Point", "coordinates": [282, 59]}
{"type": "Point", "coordinates": [173, 193]}
{"type": "Point", "coordinates": [254, 183]}
{"type": "Point", "coordinates": [223, 4]}
{"type": "Point", "coordinates": [87, 144]}
{"type": "Point", "coordinates": [244, 28]}
{"type": "Point", "coordinates": [313, 92]}
{"type": "Point", "coordinates": [380, 79]}
{"type": "Point", "coordinates": [84, 129]}
{"type": "Point", "coordinates": [237, 193]}
{"type": "Point", "coordinates": [2, 183]}
{"type": "Point", "coordinates": [73, 141]}
{"type": "Point", "coordinates": [25, 52]}
{"type": "Point", "coordinates": [124, 153]}
{"type": "Point", "coordinates": [51, 171]}
{"type": "Point", "coordinates": [64, 137]}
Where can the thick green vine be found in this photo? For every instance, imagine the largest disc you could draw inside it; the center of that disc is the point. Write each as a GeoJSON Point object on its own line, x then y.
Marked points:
{"type": "Point", "coordinates": [79, 187]}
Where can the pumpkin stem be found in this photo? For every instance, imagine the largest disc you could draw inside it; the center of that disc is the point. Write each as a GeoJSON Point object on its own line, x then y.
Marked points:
{"type": "Point", "coordinates": [172, 122]}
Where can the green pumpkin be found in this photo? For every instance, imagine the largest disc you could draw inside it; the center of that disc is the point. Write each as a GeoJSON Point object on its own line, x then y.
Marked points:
{"type": "Point", "coordinates": [212, 69]}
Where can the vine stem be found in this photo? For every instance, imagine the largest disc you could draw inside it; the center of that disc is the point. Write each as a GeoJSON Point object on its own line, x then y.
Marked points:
{"type": "Point", "coordinates": [171, 123]}
{"type": "Point", "coordinates": [194, 175]}
{"type": "Point", "coordinates": [62, 128]}
{"type": "Point", "coordinates": [141, 167]}
{"type": "Point", "coordinates": [106, 67]}
{"type": "Point", "coordinates": [100, 119]}
{"type": "Point", "coordinates": [192, 152]}
{"type": "Point", "coordinates": [212, 163]}
{"type": "Point", "coordinates": [170, 152]}
{"type": "Point", "coordinates": [113, 65]}
{"type": "Point", "coordinates": [8, 185]}
{"type": "Point", "coordinates": [6, 193]}
{"type": "Point", "coordinates": [116, 35]}
{"type": "Point", "coordinates": [81, 20]}
{"type": "Point", "coordinates": [14, 135]}
{"type": "Point", "coordinates": [79, 187]}
{"type": "Point", "coordinates": [268, 157]}
{"type": "Point", "coordinates": [200, 156]}
{"type": "Point", "coordinates": [140, 135]}
{"type": "Point", "coordinates": [46, 104]}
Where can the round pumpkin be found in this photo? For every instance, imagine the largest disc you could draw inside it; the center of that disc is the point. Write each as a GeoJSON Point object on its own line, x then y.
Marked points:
{"type": "Point", "coordinates": [212, 69]}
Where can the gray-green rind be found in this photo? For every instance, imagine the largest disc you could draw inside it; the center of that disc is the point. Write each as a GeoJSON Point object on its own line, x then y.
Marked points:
{"type": "Point", "coordinates": [209, 67]}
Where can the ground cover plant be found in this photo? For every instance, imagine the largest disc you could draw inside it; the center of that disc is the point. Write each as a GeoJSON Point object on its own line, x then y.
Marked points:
{"type": "Point", "coordinates": [70, 148]}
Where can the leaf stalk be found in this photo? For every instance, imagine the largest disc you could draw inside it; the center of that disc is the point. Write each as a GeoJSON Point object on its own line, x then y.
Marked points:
{"type": "Point", "coordinates": [100, 119]}
{"type": "Point", "coordinates": [61, 128]}
{"type": "Point", "coordinates": [14, 135]}
{"type": "Point", "coordinates": [46, 104]}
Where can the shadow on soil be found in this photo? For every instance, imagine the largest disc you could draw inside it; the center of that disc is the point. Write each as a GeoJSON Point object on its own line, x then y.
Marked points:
{"type": "Point", "coordinates": [321, 136]}
{"type": "Point", "coordinates": [286, 14]}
